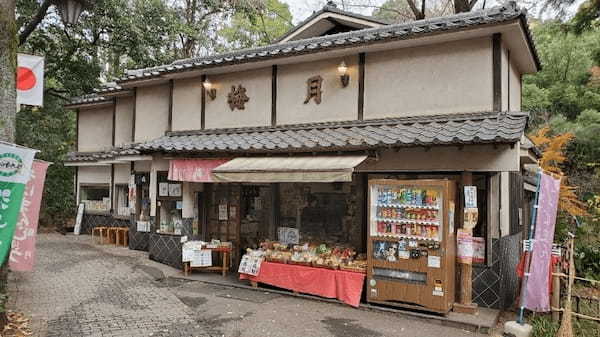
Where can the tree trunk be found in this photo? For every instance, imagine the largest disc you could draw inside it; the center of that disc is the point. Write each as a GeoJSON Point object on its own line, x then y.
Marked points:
{"type": "Point", "coordinates": [8, 108]}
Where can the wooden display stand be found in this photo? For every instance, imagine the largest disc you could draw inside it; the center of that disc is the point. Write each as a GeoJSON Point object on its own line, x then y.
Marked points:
{"type": "Point", "coordinates": [226, 252]}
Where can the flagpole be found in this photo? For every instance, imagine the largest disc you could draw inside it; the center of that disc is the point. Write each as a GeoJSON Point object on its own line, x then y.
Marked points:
{"type": "Point", "coordinates": [526, 267]}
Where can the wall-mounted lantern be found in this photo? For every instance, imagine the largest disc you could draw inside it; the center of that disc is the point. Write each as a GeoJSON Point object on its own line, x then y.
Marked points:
{"type": "Point", "coordinates": [212, 92]}
{"type": "Point", "coordinates": [343, 71]}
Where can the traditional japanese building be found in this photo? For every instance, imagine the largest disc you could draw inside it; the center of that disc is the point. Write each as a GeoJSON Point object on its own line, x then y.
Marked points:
{"type": "Point", "coordinates": [233, 146]}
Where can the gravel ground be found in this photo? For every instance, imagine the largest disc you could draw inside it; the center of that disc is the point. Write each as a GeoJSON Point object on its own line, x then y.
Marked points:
{"type": "Point", "coordinates": [79, 290]}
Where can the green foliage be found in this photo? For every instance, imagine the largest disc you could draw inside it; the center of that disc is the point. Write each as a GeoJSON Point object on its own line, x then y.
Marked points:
{"type": "Point", "coordinates": [543, 326]}
{"type": "Point", "coordinates": [561, 87]}
{"type": "Point", "coordinates": [258, 27]}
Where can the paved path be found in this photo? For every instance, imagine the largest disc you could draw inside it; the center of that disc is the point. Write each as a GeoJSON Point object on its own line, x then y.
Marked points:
{"type": "Point", "coordinates": [80, 290]}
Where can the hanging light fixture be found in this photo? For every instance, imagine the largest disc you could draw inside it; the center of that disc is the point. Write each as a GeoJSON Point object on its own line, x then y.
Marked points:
{"type": "Point", "coordinates": [70, 10]}
{"type": "Point", "coordinates": [343, 71]}
{"type": "Point", "coordinates": [210, 91]}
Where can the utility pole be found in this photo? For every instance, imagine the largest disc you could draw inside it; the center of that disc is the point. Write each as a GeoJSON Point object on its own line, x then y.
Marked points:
{"type": "Point", "coordinates": [8, 71]}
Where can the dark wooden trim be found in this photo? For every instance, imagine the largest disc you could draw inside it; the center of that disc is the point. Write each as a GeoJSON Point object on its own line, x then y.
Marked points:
{"type": "Point", "coordinates": [361, 86]}
{"type": "Point", "coordinates": [114, 120]}
{"type": "Point", "coordinates": [497, 71]}
{"type": "Point", "coordinates": [274, 95]}
{"type": "Point", "coordinates": [134, 115]}
{"type": "Point", "coordinates": [364, 177]}
{"type": "Point", "coordinates": [203, 104]}
{"type": "Point", "coordinates": [112, 187]}
{"type": "Point", "coordinates": [508, 66]}
{"type": "Point", "coordinates": [76, 184]}
{"type": "Point", "coordinates": [77, 130]}
{"type": "Point", "coordinates": [132, 167]}
{"type": "Point", "coordinates": [170, 122]}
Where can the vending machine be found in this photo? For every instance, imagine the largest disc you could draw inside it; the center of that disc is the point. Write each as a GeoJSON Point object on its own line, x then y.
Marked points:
{"type": "Point", "coordinates": [411, 243]}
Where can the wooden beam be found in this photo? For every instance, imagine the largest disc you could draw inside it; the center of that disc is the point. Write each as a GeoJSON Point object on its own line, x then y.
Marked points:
{"type": "Point", "coordinates": [465, 304]}
{"type": "Point", "coordinates": [361, 86]}
{"type": "Point", "coordinates": [170, 123]}
{"type": "Point", "coordinates": [76, 129]}
{"type": "Point", "coordinates": [112, 187]}
{"type": "Point", "coordinates": [508, 80]}
{"type": "Point", "coordinates": [203, 103]}
{"type": "Point", "coordinates": [274, 95]}
{"type": "Point", "coordinates": [497, 71]}
{"type": "Point", "coordinates": [114, 120]}
{"type": "Point", "coordinates": [134, 115]}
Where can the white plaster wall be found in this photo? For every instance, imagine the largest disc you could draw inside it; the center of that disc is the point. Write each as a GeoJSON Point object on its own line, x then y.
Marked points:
{"type": "Point", "coordinates": [142, 166]}
{"type": "Point", "coordinates": [187, 102]}
{"type": "Point", "coordinates": [337, 103]}
{"type": "Point", "coordinates": [95, 129]}
{"type": "Point", "coordinates": [94, 175]}
{"type": "Point", "coordinates": [453, 77]}
{"type": "Point", "coordinates": [257, 110]}
{"type": "Point", "coordinates": [122, 173]}
{"type": "Point", "coordinates": [189, 191]}
{"type": "Point", "coordinates": [476, 158]}
{"type": "Point", "coordinates": [152, 112]}
{"type": "Point", "coordinates": [515, 88]}
{"type": "Point", "coordinates": [124, 120]}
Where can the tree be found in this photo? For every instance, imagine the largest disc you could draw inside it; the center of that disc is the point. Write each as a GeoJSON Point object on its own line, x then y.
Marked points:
{"type": "Point", "coordinates": [408, 10]}
{"type": "Point", "coordinates": [258, 27]}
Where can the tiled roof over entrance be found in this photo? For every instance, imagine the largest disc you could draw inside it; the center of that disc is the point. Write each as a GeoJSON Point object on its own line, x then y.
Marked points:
{"type": "Point", "coordinates": [474, 128]}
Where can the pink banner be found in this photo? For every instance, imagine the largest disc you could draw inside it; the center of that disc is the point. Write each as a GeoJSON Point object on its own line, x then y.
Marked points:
{"type": "Point", "coordinates": [536, 292]}
{"type": "Point", "coordinates": [23, 245]}
{"type": "Point", "coordinates": [193, 170]}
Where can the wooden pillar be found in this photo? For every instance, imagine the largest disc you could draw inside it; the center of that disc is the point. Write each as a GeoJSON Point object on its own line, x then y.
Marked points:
{"type": "Point", "coordinates": [556, 293]}
{"type": "Point", "coordinates": [465, 304]}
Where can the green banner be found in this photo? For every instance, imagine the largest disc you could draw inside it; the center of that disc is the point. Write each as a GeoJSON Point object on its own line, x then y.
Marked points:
{"type": "Point", "coordinates": [15, 170]}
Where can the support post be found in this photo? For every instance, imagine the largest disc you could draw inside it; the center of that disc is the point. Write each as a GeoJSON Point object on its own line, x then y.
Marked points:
{"type": "Point", "coordinates": [556, 293]}
{"type": "Point", "coordinates": [465, 304]}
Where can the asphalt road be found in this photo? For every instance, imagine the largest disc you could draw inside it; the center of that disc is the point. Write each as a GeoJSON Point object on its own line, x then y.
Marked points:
{"type": "Point", "coordinates": [79, 290]}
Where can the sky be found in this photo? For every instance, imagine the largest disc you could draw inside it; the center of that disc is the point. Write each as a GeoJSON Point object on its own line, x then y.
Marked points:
{"type": "Point", "coordinates": [301, 9]}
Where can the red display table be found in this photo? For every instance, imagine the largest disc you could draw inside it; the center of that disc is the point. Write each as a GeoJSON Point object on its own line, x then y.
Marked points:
{"type": "Point", "coordinates": [346, 286]}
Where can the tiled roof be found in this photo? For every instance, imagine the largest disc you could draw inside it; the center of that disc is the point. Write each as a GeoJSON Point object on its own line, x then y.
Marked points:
{"type": "Point", "coordinates": [401, 31]}
{"type": "Point", "coordinates": [102, 155]}
{"type": "Point", "coordinates": [87, 99]}
{"type": "Point", "coordinates": [475, 128]}
{"type": "Point", "coordinates": [331, 7]}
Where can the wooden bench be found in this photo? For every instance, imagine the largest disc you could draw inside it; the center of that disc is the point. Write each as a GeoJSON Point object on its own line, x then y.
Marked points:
{"type": "Point", "coordinates": [102, 232]}
{"type": "Point", "coordinates": [122, 232]}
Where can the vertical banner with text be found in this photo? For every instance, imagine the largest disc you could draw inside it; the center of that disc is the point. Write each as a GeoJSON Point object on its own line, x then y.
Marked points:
{"type": "Point", "coordinates": [15, 169]}
{"type": "Point", "coordinates": [22, 252]}
{"type": "Point", "coordinates": [536, 296]}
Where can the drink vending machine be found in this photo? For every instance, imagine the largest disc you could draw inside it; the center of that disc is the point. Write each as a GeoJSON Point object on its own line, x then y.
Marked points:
{"type": "Point", "coordinates": [411, 243]}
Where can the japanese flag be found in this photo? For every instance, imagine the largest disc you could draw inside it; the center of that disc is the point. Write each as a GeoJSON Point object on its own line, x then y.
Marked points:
{"type": "Point", "coordinates": [30, 80]}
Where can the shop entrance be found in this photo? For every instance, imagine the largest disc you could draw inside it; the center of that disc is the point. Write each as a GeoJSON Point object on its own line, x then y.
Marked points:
{"type": "Point", "coordinates": [223, 216]}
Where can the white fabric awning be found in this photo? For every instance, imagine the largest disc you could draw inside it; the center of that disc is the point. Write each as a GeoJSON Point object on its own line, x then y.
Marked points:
{"type": "Point", "coordinates": [321, 169]}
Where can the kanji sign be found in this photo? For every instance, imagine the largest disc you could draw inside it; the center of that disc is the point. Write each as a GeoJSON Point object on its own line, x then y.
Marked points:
{"type": "Point", "coordinates": [313, 89]}
{"type": "Point", "coordinates": [237, 97]}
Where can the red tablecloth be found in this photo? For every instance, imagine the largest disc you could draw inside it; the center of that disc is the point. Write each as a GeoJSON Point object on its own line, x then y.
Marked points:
{"type": "Point", "coordinates": [343, 285]}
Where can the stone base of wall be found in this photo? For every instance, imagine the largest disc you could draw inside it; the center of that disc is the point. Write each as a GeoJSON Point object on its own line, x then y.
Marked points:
{"type": "Point", "coordinates": [496, 286]}
{"type": "Point", "coordinates": [165, 248]}
{"type": "Point", "coordinates": [90, 221]}
{"type": "Point", "coordinates": [137, 240]}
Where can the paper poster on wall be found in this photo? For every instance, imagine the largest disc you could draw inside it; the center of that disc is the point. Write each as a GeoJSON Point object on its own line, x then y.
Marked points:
{"type": "Point", "coordinates": [178, 204]}
{"type": "Point", "coordinates": [451, 208]}
{"type": "Point", "coordinates": [174, 190]}
{"type": "Point", "coordinates": [232, 212]}
{"type": "Point", "coordinates": [464, 250]}
{"type": "Point", "coordinates": [470, 196]}
{"type": "Point", "coordinates": [478, 250]}
{"type": "Point", "coordinates": [132, 195]}
{"type": "Point", "coordinates": [163, 189]}
{"type": "Point", "coordinates": [223, 212]}
{"type": "Point", "coordinates": [434, 261]}
{"type": "Point", "coordinates": [470, 218]}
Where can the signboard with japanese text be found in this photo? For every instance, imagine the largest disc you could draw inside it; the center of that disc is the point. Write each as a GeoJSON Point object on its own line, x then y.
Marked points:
{"type": "Point", "coordinates": [15, 170]}
{"type": "Point", "coordinates": [22, 253]}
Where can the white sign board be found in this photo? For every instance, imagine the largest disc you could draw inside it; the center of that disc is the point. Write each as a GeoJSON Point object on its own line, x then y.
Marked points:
{"type": "Point", "coordinates": [201, 258]}
{"type": "Point", "coordinates": [79, 218]}
{"type": "Point", "coordinates": [470, 196]}
{"type": "Point", "coordinates": [288, 235]}
{"type": "Point", "coordinates": [250, 265]}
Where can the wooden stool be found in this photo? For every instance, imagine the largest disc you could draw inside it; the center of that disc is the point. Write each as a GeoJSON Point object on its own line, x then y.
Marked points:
{"type": "Point", "coordinates": [111, 235]}
{"type": "Point", "coordinates": [101, 230]}
{"type": "Point", "coordinates": [122, 231]}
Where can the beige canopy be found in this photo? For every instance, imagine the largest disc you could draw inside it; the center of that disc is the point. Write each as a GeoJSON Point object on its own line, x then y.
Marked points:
{"type": "Point", "coordinates": [321, 169]}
